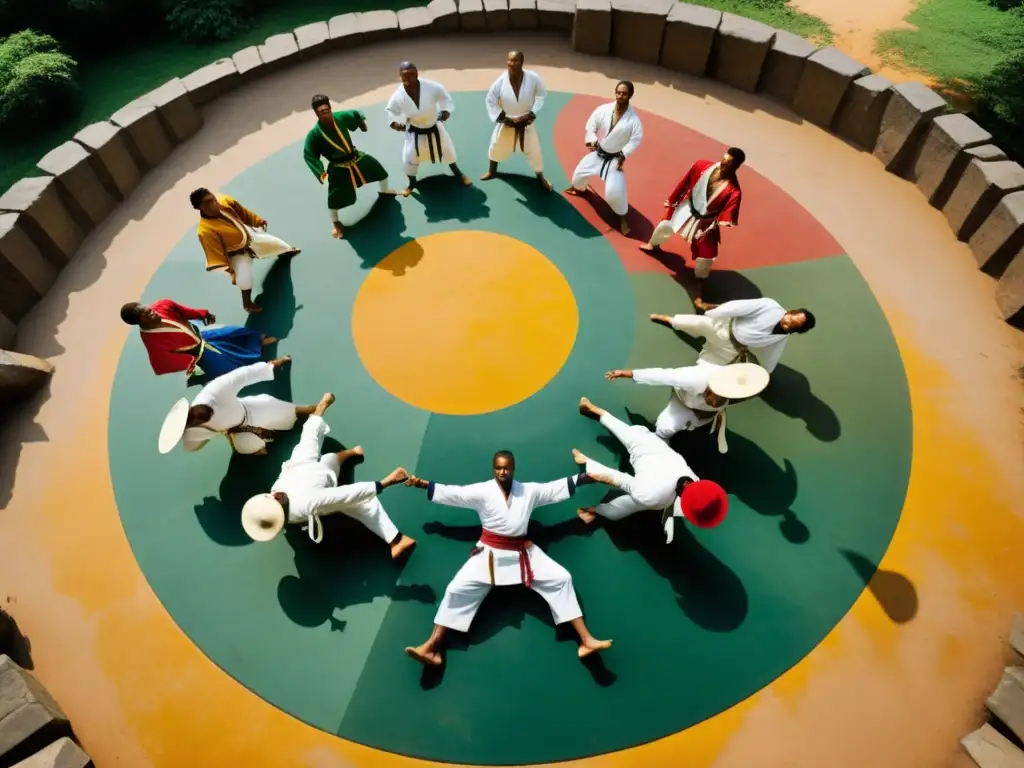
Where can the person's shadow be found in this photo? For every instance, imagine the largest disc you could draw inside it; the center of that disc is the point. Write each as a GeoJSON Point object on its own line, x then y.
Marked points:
{"type": "Point", "coordinates": [893, 591]}
{"type": "Point", "coordinates": [380, 234]}
{"type": "Point", "coordinates": [14, 643]}
{"type": "Point", "coordinates": [721, 286]}
{"type": "Point", "coordinates": [445, 198]}
{"type": "Point", "coordinates": [552, 206]}
{"type": "Point", "coordinates": [640, 227]}
{"type": "Point", "coordinates": [789, 393]}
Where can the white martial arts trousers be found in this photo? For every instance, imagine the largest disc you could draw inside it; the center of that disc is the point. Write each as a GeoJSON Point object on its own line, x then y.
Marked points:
{"type": "Point", "coordinates": [411, 159]}
{"type": "Point", "coordinates": [383, 188]}
{"type": "Point", "coordinates": [664, 231]}
{"type": "Point", "coordinates": [677, 417]}
{"type": "Point", "coordinates": [503, 144]}
{"type": "Point", "coordinates": [614, 181]}
{"type": "Point", "coordinates": [261, 246]}
{"type": "Point", "coordinates": [472, 583]}
{"type": "Point", "coordinates": [718, 348]}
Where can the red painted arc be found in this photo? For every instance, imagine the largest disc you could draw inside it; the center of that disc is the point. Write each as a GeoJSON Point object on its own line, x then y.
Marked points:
{"type": "Point", "coordinates": [773, 228]}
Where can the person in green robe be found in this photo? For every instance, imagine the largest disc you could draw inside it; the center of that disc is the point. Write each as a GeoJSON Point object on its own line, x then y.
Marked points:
{"type": "Point", "coordinates": [347, 167]}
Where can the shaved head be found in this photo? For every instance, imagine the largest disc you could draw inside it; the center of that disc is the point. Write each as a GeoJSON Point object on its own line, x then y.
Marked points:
{"type": "Point", "coordinates": [407, 65]}
{"type": "Point", "coordinates": [517, 55]}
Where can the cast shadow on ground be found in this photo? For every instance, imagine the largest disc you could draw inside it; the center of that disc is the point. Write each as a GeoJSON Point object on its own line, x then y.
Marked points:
{"type": "Point", "coordinates": [380, 233]}
{"type": "Point", "coordinates": [547, 205]}
{"type": "Point", "coordinates": [789, 393]}
{"type": "Point", "coordinates": [509, 606]}
{"type": "Point", "coordinates": [640, 227]}
{"type": "Point", "coordinates": [445, 198]}
{"type": "Point", "coordinates": [13, 643]}
{"type": "Point", "coordinates": [721, 286]}
{"type": "Point", "coordinates": [893, 591]}
{"type": "Point", "coordinates": [19, 427]}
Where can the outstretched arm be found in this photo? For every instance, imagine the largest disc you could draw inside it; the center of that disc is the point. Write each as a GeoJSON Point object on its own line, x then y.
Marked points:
{"type": "Point", "coordinates": [343, 496]}
{"type": "Point", "coordinates": [187, 312]}
{"type": "Point", "coordinates": [677, 378]}
{"type": "Point", "coordinates": [463, 496]}
{"type": "Point", "coordinates": [556, 490]}
{"type": "Point", "coordinates": [311, 156]}
{"type": "Point", "coordinates": [232, 382]}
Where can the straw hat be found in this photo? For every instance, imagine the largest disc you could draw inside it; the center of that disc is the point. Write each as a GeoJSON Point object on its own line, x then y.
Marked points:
{"type": "Point", "coordinates": [174, 426]}
{"type": "Point", "coordinates": [738, 381]}
{"type": "Point", "coordinates": [263, 517]}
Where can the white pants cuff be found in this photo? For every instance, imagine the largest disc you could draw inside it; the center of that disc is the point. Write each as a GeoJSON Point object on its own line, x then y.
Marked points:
{"type": "Point", "coordinates": [241, 264]}
{"type": "Point", "coordinates": [702, 268]}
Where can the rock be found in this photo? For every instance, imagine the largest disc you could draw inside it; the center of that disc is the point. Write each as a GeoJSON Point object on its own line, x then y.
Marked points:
{"type": "Point", "coordinates": [986, 152]}
{"type": "Point", "coordinates": [248, 63]}
{"type": "Point", "coordinates": [175, 110]}
{"type": "Point", "coordinates": [496, 14]}
{"type": "Point", "coordinates": [114, 165]}
{"type": "Point", "coordinates": [522, 14]}
{"type": "Point", "coordinates": [1001, 236]}
{"type": "Point", "coordinates": [414, 21]}
{"type": "Point", "coordinates": [859, 118]}
{"type": "Point", "coordinates": [740, 51]}
{"type": "Point", "coordinates": [278, 51]}
{"type": "Point", "coordinates": [942, 158]}
{"type": "Point", "coordinates": [904, 121]}
{"type": "Point", "coordinates": [784, 65]}
{"type": "Point", "coordinates": [144, 135]}
{"type": "Point", "coordinates": [377, 26]}
{"type": "Point", "coordinates": [1007, 700]}
{"type": "Point", "coordinates": [1010, 301]}
{"type": "Point", "coordinates": [25, 274]}
{"type": "Point", "coordinates": [471, 16]}
{"type": "Point", "coordinates": [46, 221]}
{"type": "Point", "coordinates": [975, 195]}
{"type": "Point", "coordinates": [592, 27]}
{"type": "Point", "coordinates": [312, 39]}
{"type": "Point", "coordinates": [638, 29]}
{"type": "Point", "coordinates": [556, 14]}
{"type": "Point", "coordinates": [990, 749]}
{"type": "Point", "coordinates": [344, 31]}
{"type": "Point", "coordinates": [29, 717]}
{"type": "Point", "coordinates": [212, 81]}
{"type": "Point", "coordinates": [444, 15]}
{"type": "Point", "coordinates": [1017, 633]}
{"type": "Point", "coordinates": [825, 80]}
{"type": "Point", "coordinates": [63, 753]}
{"type": "Point", "coordinates": [689, 35]}
{"type": "Point", "coordinates": [77, 184]}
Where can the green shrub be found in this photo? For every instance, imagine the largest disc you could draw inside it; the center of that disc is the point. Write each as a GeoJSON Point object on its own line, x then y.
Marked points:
{"type": "Point", "coordinates": [37, 81]}
{"type": "Point", "coordinates": [999, 99]}
{"type": "Point", "coordinates": [208, 21]}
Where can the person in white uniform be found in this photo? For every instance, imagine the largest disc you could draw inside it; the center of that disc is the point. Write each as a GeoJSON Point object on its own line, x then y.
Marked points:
{"type": "Point", "coordinates": [734, 329]}
{"type": "Point", "coordinates": [661, 480]}
{"type": "Point", "coordinates": [307, 489]}
{"type": "Point", "coordinates": [503, 556]}
{"type": "Point", "coordinates": [419, 108]}
{"type": "Point", "coordinates": [613, 133]}
{"type": "Point", "coordinates": [513, 102]}
{"type": "Point", "coordinates": [248, 422]}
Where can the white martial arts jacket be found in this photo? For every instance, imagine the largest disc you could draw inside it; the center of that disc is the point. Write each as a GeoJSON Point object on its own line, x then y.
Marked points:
{"type": "Point", "coordinates": [752, 326]}
{"type": "Point", "coordinates": [502, 98]}
{"type": "Point", "coordinates": [625, 137]}
{"type": "Point", "coordinates": [434, 100]}
{"type": "Point", "coordinates": [688, 383]}
{"type": "Point", "coordinates": [312, 490]}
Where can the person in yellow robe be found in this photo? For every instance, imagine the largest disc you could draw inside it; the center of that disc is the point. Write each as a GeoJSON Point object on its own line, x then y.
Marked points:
{"type": "Point", "coordinates": [232, 236]}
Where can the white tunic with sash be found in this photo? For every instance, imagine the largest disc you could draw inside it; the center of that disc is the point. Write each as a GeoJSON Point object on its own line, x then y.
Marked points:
{"type": "Point", "coordinates": [687, 409]}
{"type": "Point", "coordinates": [434, 146]}
{"type": "Point", "coordinates": [622, 137]}
{"type": "Point", "coordinates": [749, 323]}
{"type": "Point", "coordinates": [505, 138]}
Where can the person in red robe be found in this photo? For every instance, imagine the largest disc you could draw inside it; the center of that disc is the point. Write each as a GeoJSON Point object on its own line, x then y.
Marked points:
{"type": "Point", "coordinates": [707, 199]}
{"type": "Point", "coordinates": [175, 341]}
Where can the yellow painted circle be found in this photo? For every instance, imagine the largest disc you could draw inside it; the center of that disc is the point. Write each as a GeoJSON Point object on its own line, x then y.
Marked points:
{"type": "Point", "coordinates": [464, 322]}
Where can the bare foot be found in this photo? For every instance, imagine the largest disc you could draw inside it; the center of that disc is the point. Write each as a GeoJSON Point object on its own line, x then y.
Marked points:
{"type": "Point", "coordinates": [546, 184]}
{"type": "Point", "coordinates": [268, 340]}
{"type": "Point", "coordinates": [586, 514]}
{"type": "Point", "coordinates": [591, 646]}
{"type": "Point", "coordinates": [575, 192]}
{"type": "Point", "coordinates": [662, 319]}
{"type": "Point", "coordinates": [357, 451]}
{"type": "Point", "coordinates": [349, 453]}
{"type": "Point", "coordinates": [488, 176]}
{"type": "Point", "coordinates": [327, 400]}
{"type": "Point", "coordinates": [407, 191]}
{"type": "Point", "coordinates": [424, 655]}
{"type": "Point", "coordinates": [648, 248]}
{"type": "Point", "coordinates": [337, 231]}
{"type": "Point", "coordinates": [260, 452]}
{"type": "Point", "coordinates": [403, 545]}
{"type": "Point", "coordinates": [587, 408]}
{"type": "Point", "coordinates": [466, 180]}
{"type": "Point", "coordinates": [623, 226]}
{"type": "Point", "coordinates": [578, 457]}
{"type": "Point", "coordinates": [252, 307]}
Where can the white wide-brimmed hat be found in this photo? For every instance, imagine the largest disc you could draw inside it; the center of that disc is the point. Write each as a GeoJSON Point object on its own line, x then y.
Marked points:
{"type": "Point", "coordinates": [263, 517]}
{"type": "Point", "coordinates": [738, 381]}
{"type": "Point", "coordinates": [174, 426]}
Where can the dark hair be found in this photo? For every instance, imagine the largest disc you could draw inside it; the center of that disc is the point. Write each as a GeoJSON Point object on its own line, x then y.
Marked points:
{"type": "Point", "coordinates": [318, 100]}
{"type": "Point", "coordinates": [628, 85]}
{"type": "Point", "coordinates": [200, 414]}
{"type": "Point", "coordinates": [738, 155]}
{"type": "Point", "coordinates": [681, 483]}
{"type": "Point", "coordinates": [131, 312]}
{"type": "Point", "coordinates": [808, 323]}
{"type": "Point", "coordinates": [196, 198]}
{"type": "Point", "coordinates": [504, 455]}
{"type": "Point", "coordinates": [406, 65]}
{"type": "Point", "coordinates": [519, 55]}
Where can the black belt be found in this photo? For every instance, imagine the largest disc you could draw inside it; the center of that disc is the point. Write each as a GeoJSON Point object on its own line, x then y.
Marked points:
{"type": "Point", "coordinates": [607, 157]}
{"type": "Point", "coordinates": [433, 135]}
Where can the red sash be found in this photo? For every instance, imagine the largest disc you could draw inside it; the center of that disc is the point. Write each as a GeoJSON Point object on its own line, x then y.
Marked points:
{"type": "Point", "coordinates": [518, 544]}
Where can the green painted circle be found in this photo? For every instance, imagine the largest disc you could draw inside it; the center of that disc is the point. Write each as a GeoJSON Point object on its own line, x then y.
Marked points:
{"type": "Point", "coordinates": [817, 474]}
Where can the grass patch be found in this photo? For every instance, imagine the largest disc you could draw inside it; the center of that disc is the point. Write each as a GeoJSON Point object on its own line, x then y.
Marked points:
{"type": "Point", "coordinates": [775, 13]}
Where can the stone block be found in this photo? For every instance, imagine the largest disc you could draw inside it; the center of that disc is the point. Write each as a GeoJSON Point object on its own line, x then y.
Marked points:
{"type": "Point", "coordinates": [176, 110]}
{"type": "Point", "coordinates": [114, 165]}
{"type": "Point", "coordinates": [975, 195]}
{"type": "Point", "coordinates": [638, 29]}
{"type": "Point", "coordinates": [740, 50]}
{"type": "Point", "coordinates": [689, 37]}
{"type": "Point", "coordinates": [29, 717]}
{"type": "Point", "coordinates": [8, 331]}
{"type": "Point", "coordinates": [444, 16]}
{"type": "Point", "coordinates": [63, 753]}
{"type": "Point", "coordinates": [1017, 631]}
{"type": "Point", "coordinates": [496, 15]}
{"type": "Point", "coordinates": [990, 749]}
{"type": "Point", "coordinates": [1001, 236]}
{"type": "Point", "coordinates": [248, 63]}
{"type": "Point", "coordinates": [592, 27]}
{"type": "Point", "coordinates": [79, 187]}
{"type": "Point", "coordinates": [522, 14]}
{"type": "Point", "coordinates": [145, 136]}
{"type": "Point", "coordinates": [784, 65]}
{"type": "Point", "coordinates": [556, 14]}
{"type": "Point", "coordinates": [1007, 700]}
{"type": "Point", "coordinates": [344, 31]}
{"type": "Point", "coordinates": [911, 107]}
{"type": "Point", "coordinates": [942, 158]}
{"type": "Point", "coordinates": [826, 78]}
{"type": "Point", "coordinates": [414, 21]}
{"type": "Point", "coordinates": [471, 16]}
{"type": "Point", "coordinates": [46, 221]}
{"type": "Point", "coordinates": [986, 152]}
{"type": "Point", "coordinates": [212, 81]}
{"type": "Point", "coordinates": [312, 39]}
{"type": "Point", "coordinates": [25, 274]}
{"type": "Point", "coordinates": [377, 26]}
{"type": "Point", "coordinates": [859, 118]}
{"type": "Point", "coordinates": [279, 51]}
{"type": "Point", "coordinates": [1010, 301]}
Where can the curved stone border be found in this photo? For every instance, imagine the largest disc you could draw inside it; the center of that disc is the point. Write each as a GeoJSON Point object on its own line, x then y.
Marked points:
{"type": "Point", "coordinates": [908, 127]}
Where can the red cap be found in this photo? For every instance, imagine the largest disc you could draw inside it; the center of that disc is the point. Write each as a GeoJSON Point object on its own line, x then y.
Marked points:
{"type": "Point", "coordinates": [704, 503]}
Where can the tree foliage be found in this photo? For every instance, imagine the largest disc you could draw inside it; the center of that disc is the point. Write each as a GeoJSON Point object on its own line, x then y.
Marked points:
{"type": "Point", "coordinates": [208, 21]}
{"type": "Point", "coordinates": [37, 81]}
{"type": "Point", "coordinates": [1000, 104]}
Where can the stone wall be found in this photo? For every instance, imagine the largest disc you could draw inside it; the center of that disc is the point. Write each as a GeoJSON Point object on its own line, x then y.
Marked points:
{"type": "Point", "coordinates": [909, 128]}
